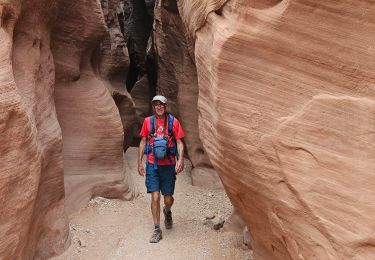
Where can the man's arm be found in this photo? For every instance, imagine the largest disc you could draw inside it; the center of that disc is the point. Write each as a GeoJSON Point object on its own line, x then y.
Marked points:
{"type": "Point", "coordinates": [180, 161]}
{"type": "Point", "coordinates": [142, 144]}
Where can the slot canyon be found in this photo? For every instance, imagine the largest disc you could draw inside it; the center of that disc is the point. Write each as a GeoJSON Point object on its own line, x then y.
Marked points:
{"type": "Point", "coordinates": [275, 97]}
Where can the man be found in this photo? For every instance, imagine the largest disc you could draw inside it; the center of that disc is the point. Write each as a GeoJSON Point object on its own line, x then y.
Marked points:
{"type": "Point", "coordinates": [161, 172]}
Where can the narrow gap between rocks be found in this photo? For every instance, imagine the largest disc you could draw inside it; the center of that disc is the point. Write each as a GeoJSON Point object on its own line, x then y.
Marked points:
{"type": "Point", "coordinates": [117, 229]}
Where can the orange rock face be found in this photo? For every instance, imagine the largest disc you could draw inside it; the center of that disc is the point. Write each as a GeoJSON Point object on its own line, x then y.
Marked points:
{"type": "Point", "coordinates": [58, 121]}
{"type": "Point", "coordinates": [177, 80]}
{"type": "Point", "coordinates": [32, 218]}
{"type": "Point", "coordinates": [90, 121]}
{"type": "Point", "coordinates": [287, 102]}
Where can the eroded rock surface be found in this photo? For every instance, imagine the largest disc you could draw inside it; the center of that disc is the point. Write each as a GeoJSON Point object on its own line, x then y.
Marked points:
{"type": "Point", "coordinates": [32, 218]}
{"type": "Point", "coordinates": [111, 61]}
{"type": "Point", "coordinates": [177, 80]}
{"type": "Point", "coordinates": [286, 95]}
{"type": "Point", "coordinates": [46, 58]}
{"type": "Point", "coordinates": [91, 124]}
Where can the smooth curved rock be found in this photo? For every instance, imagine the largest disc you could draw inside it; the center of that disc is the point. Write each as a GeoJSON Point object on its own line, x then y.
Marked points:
{"type": "Point", "coordinates": [235, 222]}
{"type": "Point", "coordinates": [296, 164]}
{"type": "Point", "coordinates": [46, 58]}
{"type": "Point", "coordinates": [194, 12]}
{"type": "Point", "coordinates": [141, 96]}
{"type": "Point", "coordinates": [33, 224]}
{"type": "Point", "coordinates": [91, 124]}
{"type": "Point", "coordinates": [177, 80]}
{"type": "Point", "coordinates": [111, 61]}
{"type": "Point", "coordinates": [315, 169]}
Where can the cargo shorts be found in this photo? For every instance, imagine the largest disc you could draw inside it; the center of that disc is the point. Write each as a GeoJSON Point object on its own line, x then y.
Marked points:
{"type": "Point", "coordinates": [161, 179]}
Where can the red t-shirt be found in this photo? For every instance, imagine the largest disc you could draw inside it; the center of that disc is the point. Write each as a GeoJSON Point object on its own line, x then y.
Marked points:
{"type": "Point", "coordinates": [177, 131]}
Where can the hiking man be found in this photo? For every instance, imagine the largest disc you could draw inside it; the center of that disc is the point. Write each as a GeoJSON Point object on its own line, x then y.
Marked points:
{"type": "Point", "coordinates": [161, 141]}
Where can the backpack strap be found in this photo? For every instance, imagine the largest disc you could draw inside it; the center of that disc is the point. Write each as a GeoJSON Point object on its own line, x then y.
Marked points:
{"type": "Point", "coordinates": [148, 148]}
{"type": "Point", "coordinates": [171, 135]}
{"type": "Point", "coordinates": [151, 135]}
{"type": "Point", "coordinates": [152, 125]}
{"type": "Point", "coordinates": [170, 124]}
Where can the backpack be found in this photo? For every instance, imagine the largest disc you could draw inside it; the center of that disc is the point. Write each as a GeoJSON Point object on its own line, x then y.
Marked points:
{"type": "Point", "coordinates": [160, 149]}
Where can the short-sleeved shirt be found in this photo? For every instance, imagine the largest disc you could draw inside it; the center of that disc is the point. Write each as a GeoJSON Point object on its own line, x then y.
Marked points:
{"type": "Point", "coordinates": [177, 131]}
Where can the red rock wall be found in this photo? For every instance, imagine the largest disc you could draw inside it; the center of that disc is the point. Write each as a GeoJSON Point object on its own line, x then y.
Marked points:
{"type": "Point", "coordinates": [286, 99]}
{"type": "Point", "coordinates": [91, 124]}
{"type": "Point", "coordinates": [32, 222]}
{"type": "Point", "coordinates": [58, 120]}
{"type": "Point", "coordinates": [177, 80]}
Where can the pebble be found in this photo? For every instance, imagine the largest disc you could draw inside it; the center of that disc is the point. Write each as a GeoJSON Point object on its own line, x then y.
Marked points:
{"type": "Point", "coordinates": [88, 231]}
{"type": "Point", "coordinates": [219, 224]}
{"type": "Point", "coordinates": [81, 243]}
{"type": "Point", "coordinates": [210, 216]}
{"type": "Point", "coordinates": [246, 238]}
{"type": "Point", "coordinates": [214, 223]}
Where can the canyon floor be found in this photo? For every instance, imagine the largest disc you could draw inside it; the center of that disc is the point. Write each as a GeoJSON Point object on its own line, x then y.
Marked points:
{"type": "Point", "coordinates": [115, 229]}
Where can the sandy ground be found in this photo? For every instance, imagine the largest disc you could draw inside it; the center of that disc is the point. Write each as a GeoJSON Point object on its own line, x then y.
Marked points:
{"type": "Point", "coordinates": [114, 229]}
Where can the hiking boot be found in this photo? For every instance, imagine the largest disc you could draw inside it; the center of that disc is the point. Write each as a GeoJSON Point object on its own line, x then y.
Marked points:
{"type": "Point", "coordinates": [156, 236]}
{"type": "Point", "coordinates": [168, 221]}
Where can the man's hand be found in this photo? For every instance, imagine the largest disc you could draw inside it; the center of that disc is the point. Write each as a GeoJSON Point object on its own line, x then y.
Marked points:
{"type": "Point", "coordinates": [180, 161]}
{"type": "Point", "coordinates": [141, 169]}
{"type": "Point", "coordinates": [179, 166]}
{"type": "Point", "coordinates": [142, 144]}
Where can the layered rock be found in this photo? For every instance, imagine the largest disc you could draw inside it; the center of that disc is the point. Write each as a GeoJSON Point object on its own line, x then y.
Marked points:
{"type": "Point", "coordinates": [194, 13]}
{"type": "Point", "coordinates": [177, 80]}
{"type": "Point", "coordinates": [111, 62]}
{"type": "Point", "coordinates": [58, 53]}
{"type": "Point", "coordinates": [32, 218]}
{"type": "Point", "coordinates": [91, 124]}
{"type": "Point", "coordinates": [287, 102]}
{"type": "Point", "coordinates": [141, 95]}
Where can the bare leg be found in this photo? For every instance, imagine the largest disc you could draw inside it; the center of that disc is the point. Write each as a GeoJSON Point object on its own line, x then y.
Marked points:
{"type": "Point", "coordinates": [168, 201]}
{"type": "Point", "coordinates": [155, 206]}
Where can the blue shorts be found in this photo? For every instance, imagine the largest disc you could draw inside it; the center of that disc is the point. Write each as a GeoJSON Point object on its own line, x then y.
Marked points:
{"type": "Point", "coordinates": [162, 179]}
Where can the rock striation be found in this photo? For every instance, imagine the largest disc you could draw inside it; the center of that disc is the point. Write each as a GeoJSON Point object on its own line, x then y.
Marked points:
{"type": "Point", "coordinates": [111, 61]}
{"type": "Point", "coordinates": [286, 101]}
{"type": "Point", "coordinates": [285, 97]}
{"type": "Point", "coordinates": [177, 80]}
{"type": "Point", "coordinates": [62, 135]}
{"type": "Point", "coordinates": [92, 129]}
{"type": "Point", "coordinates": [32, 218]}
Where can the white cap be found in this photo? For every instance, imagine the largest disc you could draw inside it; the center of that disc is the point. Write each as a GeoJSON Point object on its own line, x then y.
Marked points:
{"type": "Point", "coordinates": [160, 98]}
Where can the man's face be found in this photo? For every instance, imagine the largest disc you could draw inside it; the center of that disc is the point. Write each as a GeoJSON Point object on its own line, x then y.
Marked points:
{"type": "Point", "coordinates": [159, 107]}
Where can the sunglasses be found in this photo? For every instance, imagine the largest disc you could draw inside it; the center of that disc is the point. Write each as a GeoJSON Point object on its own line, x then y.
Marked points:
{"type": "Point", "coordinates": [158, 105]}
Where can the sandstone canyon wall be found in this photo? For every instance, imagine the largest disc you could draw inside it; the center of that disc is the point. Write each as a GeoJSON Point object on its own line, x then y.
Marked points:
{"type": "Point", "coordinates": [286, 100]}
{"type": "Point", "coordinates": [32, 218]}
{"type": "Point", "coordinates": [90, 121]}
{"type": "Point", "coordinates": [67, 116]}
{"type": "Point", "coordinates": [110, 61]}
{"type": "Point", "coordinates": [177, 80]}
{"type": "Point", "coordinates": [285, 113]}
{"type": "Point", "coordinates": [58, 119]}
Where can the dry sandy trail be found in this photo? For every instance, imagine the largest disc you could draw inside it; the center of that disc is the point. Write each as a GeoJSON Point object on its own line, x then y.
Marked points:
{"type": "Point", "coordinates": [114, 229]}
